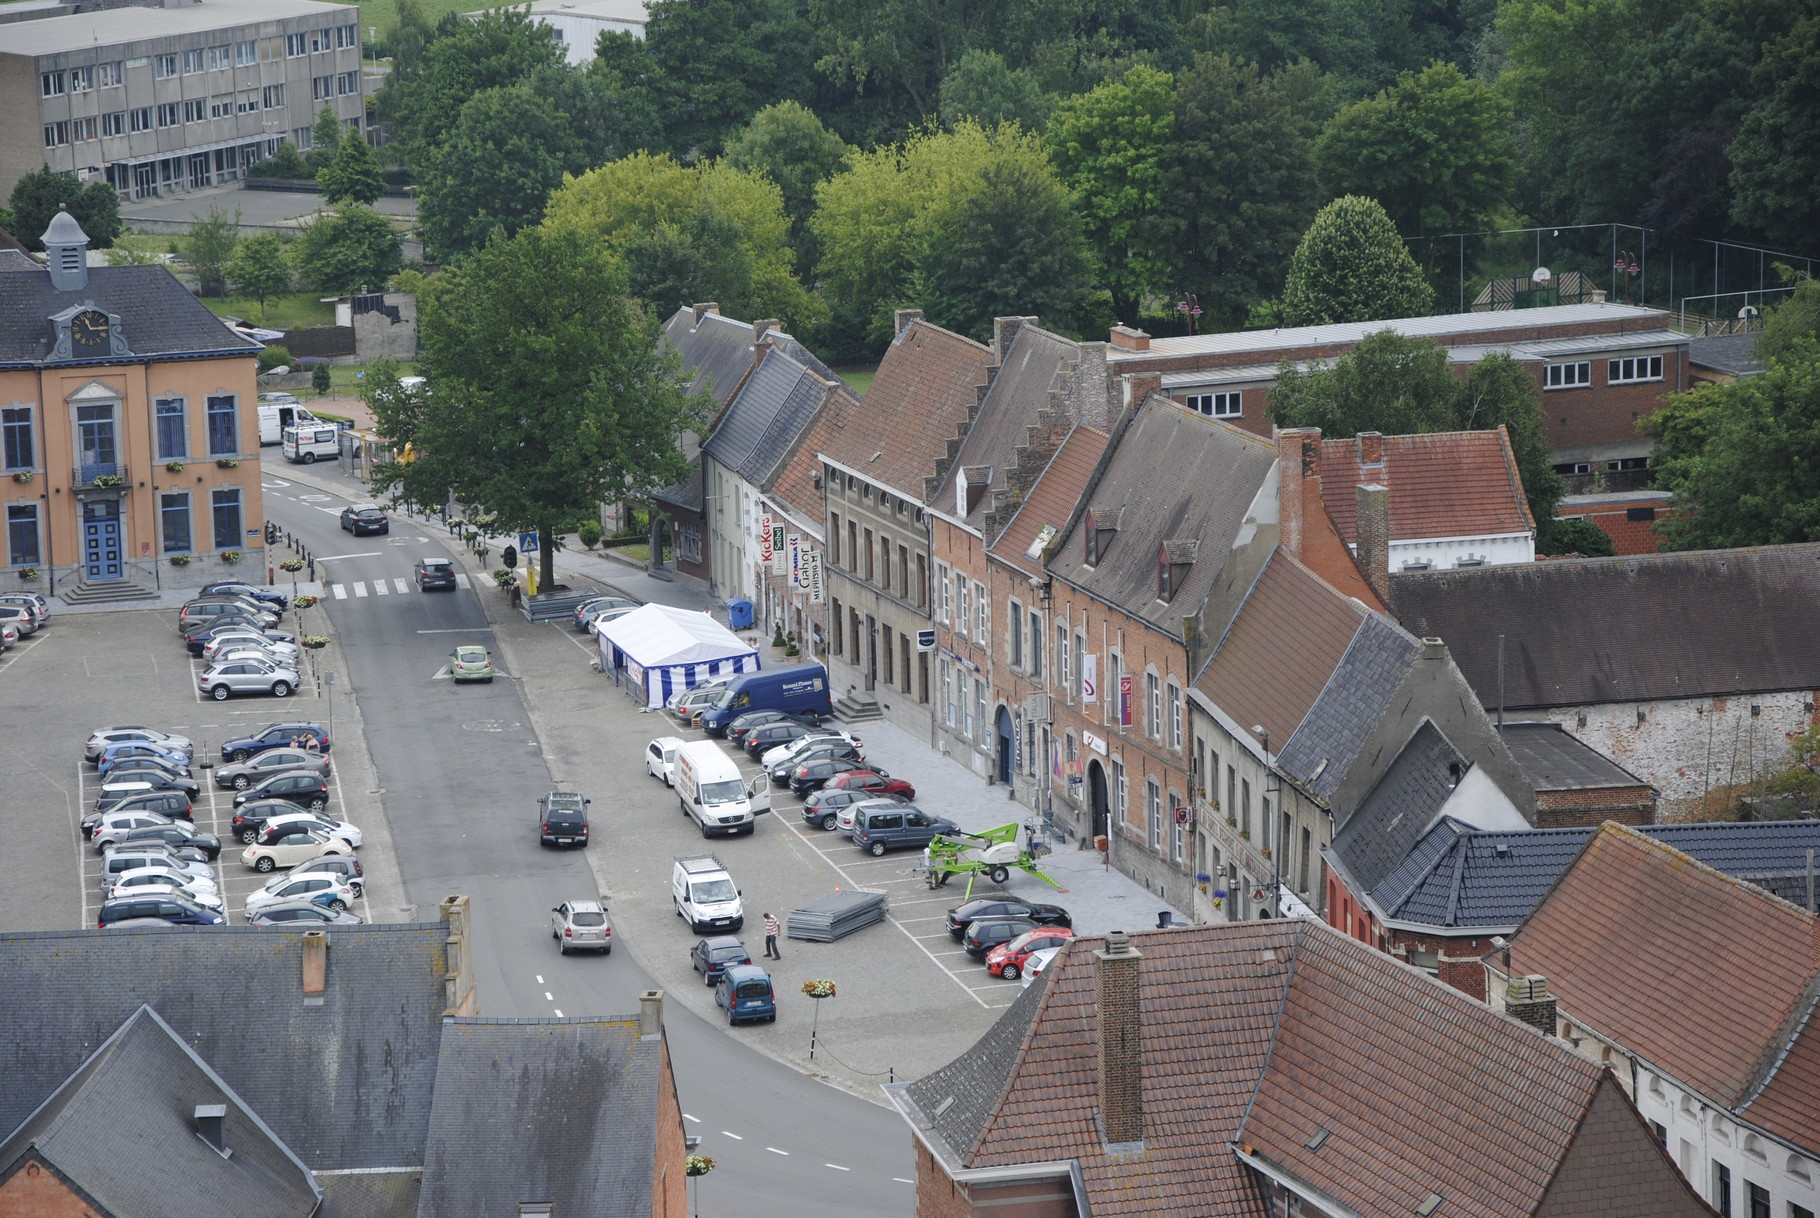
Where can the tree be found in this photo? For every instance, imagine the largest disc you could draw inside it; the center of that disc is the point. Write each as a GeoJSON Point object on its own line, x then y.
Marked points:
{"type": "Point", "coordinates": [908, 46]}
{"type": "Point", "coordinates": [325, 140]}
{"type": "Point", "coordinates": [1112, 147]}
{"type": "Point", "coordinates": [982, 88]}
{"type": "Point", "coordinates": [1352, 266]}
{"type": "Point", "coordinates": [209, 248]}
{"type": "Point", "coordinates": [1564, 537]}
{"type": "Point", "coordinates": [38, 195]}
{"type": "Point", "coordinates": [1433, 149]}
{"type": "Point", "coordinates": [285, 162]}
{"type": "Point", "coordinates": [1793, 320]}
{"type": "Point", "coordinates": [350, 249]}
{"type": "Point", "coordinates": [465, 58]}
{"type": "Point", "coordinates": [261, 268]}
{"type": "Point", "coordinates": [354, 173]}
{"type": "Point", "coordinates": [565, 399]}
{"type": "Point", "coordinates": [1774, 161]}
{"type": "Point", "coordinates": [495, 169]}
{"type": "Point", "coordinates": [789, 145]}
{"type": "Point", "coordinates": [1239, 187]}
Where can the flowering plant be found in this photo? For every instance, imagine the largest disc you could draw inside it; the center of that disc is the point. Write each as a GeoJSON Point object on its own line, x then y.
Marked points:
{"type": "Point", "coordinates": [819, 989]}
{"type": "Point", "coordinates": [180, 560]}
{"type": "Point", "coordinates": [227, 463]}
{"type": "Point", "coordinates": [230, 556]}
{"type": "Point", "coordinates": [28, 574]}
{"type": "Point", "coordinates": [303, 602]}
{"type": "Point", "coordinates": [175, 467]}
{"type": "Point", "coordinates": [291, 564]}
{"type": "Point", "coordinates": [698, 1165]}
{"type": "Point", "coordinates": [314, 640]}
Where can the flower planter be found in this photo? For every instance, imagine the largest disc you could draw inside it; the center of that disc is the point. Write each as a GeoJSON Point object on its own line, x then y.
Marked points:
{"type": "Point", "coordinates": [180, 560]}
{"type": "Point", "coordinates": [29, 574]}
{"type": "Point", "coordinates": [227, 463]}
{"type": "Point", "coordinates": [23, 476]}
{"type": "Point", "coordinates": [314, 641]}
{"type": "Point", "coordinates": [230, 556]}
{"type": "Point", "coordinates": [175, 467]}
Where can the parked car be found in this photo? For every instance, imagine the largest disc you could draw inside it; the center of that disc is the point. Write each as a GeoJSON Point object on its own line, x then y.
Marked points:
{"type": "Point", "coordinates": [800, 748]}
{"type": "Point", "coordinates": [149, 778]}
{"type": "Point", "coordinates": [250, 819]}
{"type": "Point", "coordinates": [708, 686]}
{"type": "Point", "coordinates": [223, 642]}
{"type": "Point", "coordinates": [826, 806]}
{"type": "Point", "coordinates": [1007, 959]}
{"type": "Point", "coordinates": [983, 936]}
{"type": "Point", "coordinates": [873, 781]}
{"type": "Point", "coordinates": [9, 634]}
{"type": "Point", "coordinates": [129, 765]}
{"type": "Point", "coordinates": [344, 865]}
{"type": "Point", "coordinates": [897, 828]}
{"type": "Point", "coordinates": [196, 635]}
{"type": "Point", "coordinates": [305, 788]}
{"type": "Point", "coordinates": [242, 774]}
{"type": "Point", "coordinates": [813, 750]}
{"type": "Point", "coordinates": [592, 608]}
{"type": "Point", "coordinates": [318, 889]}
{"type": "Point", "coordinates": [290, 849]}
{"type": "Point", "coordinates": [218, 608]}
{"type": "Point", "coordinates": [172, 805]}
{"type": "Point", "coordinates": [295, 819]}
{"type": "Point", "coordinates": [688, 706]}
{"type": "Point", "coordinates": [264, 596]}
{"type": "Point", "coordinates": [156, 856]}
{"type": "Point", "coordinates": [1038, 963]}
{"type": "Point", "coordinates": [712, 957]}
{"type": "Point", "coordinates": [808, 777]}
{"type": "Point", "coordinates": [660, 758]}
{"type": "Point", "coordinates": [20, 618]}
{"type": "Point", "coordinates": [174, 877]}
{"type": "Point", "coordinates": [963, 916]}
{"type": "Point", "coordinates": [744, 992]}
{"type": "Point", "coordinates": [112, 828]}
{"type": "Point", "coordinates": [179, 836]}
{"type": "Point", "coordinates": [470, 662]}
{"type": "Point", "coordinates": [739, 726]}
{"type": "Point", "coordinates": [166, 907]}
{"type": "Point", "coordinates": [296, 734]}
{"type": "Point", "coordinates": [582, 926]}
{"type": "Point", "coordinates": [435, 573]}
{"type": "Point", "coordinates": [134, 750]}
{"type": "Point", "coordinates": [141, 884]}
{"type": "Point", "coordinates": [762, 739]}
{"type": "Point", "coordinates": [247, 676]}
{"type": "Point", "coordinates": [102, 737]}
{"type": "Point", "coordinates": [303, 914]}
{"type": "Point", "coordinates": [40, 607]}
{"type": "Point", "coordinates": [362, 518]}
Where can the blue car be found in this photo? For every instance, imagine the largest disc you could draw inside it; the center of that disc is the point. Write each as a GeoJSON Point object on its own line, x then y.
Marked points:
{"type": "Point", "coordinates": [744, 992]}
{"type": "Point", "coordinates": [277, 600]}
{"type": "Point", "coordinates": [274, 736]}
{"type": "Point", "coordinates": [117, 755]}
{"type": "Point", "coordinates": [712, 957]}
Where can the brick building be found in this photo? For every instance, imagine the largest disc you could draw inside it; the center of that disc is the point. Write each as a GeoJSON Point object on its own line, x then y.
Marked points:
{"type": "Point", "coordinates": [1576, 784]}
{"type": "Point", "coordinates": [1627, 517]}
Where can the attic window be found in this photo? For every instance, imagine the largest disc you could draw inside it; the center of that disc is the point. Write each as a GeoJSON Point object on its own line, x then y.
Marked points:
{"type": "Point", "coordinates": [535, 1209]}
{"type": "Point", "coordinates": [1415, 566]}
{"type": "Point", "coordinates": [1429, 1205]}
{"type": "Point", "coordinates": [1044, 536]}
{"type": "Point", "coordinates": [1102, 523]}
{"type": "Point", "coordinates": [1172, 562]}
{"type": "Point", "coordinates": [1319, 1139]}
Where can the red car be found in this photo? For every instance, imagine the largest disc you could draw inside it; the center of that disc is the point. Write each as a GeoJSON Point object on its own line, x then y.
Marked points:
{"type": "Point", "coordinates": [877, 782]}
{"type": "Point", "coordinates": [1007, 959]}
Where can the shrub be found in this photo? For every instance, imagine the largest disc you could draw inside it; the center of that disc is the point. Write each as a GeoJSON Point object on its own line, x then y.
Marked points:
{"type": "Point", "coordinates": [589, 533]}
{"type": "Point", "coordinates": [275, 356]}
{"type": "Point", "coordinates": [319, 378]}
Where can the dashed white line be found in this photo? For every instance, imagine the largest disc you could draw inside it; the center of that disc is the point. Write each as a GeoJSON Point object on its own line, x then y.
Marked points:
{"type": "Point", "coordinates": [559, 1014]}
{"type": "Point", "coordinates": [901, 1180]}
{"type": "Point", "coordinates": [837, 1167]}
{"type": "Point", "coordinates": [727, 1133]}
{"type": "Point", "coordinates": [774, 1150]}
{"type": "Point", "coordinates": [687, 1117]}
{"type": "Point", "coordinates": [548, 997]}
{"type": "Point", "coordinates": [540, 981]}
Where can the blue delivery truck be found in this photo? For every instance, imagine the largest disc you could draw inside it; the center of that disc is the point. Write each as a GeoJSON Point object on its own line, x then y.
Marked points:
{"type": "Point", "coordinates": [801, 689]}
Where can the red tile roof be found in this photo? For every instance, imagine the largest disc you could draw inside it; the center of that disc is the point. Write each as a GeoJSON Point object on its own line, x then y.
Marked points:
{"type": "Point", "coordinates": [1052, 499]}
{"type": "Point", "coordinates": [1446, 484]}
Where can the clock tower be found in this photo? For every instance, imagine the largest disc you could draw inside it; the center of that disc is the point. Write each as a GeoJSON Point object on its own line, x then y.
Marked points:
{"type": "Point", "coordinates": [80, 331]}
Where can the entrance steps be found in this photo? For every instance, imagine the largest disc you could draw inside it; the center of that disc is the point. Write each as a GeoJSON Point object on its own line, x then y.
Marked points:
{"type": "Point", "coordinates": [857, 708]}
{"type": "Point", "coordinates": [105, 591]}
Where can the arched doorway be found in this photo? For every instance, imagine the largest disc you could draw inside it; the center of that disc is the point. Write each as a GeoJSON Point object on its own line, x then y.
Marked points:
{"type": "Point", "coordinates": [1096, 797]}
{"type": "Point", "coordinates": [1007, 743]}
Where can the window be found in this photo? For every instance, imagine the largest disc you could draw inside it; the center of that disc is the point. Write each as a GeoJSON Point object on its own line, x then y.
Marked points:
{"type": "Point", "coordinates": [834, 538]}
{"type": "Point", "coordinates": [221, 107]}
{"type": "Point", "coordinates": [56, 134]}
{"type": "Point", "coordinates": [943, 605]}
{"type": "Point", "coordinates": [95, 440]}
{"type": "Point", "coordinates": [83, 129]}
{"type": "Point", "coordinates": [164, 66]}
{"type": "Point", "coordinates": [852, 547]}
{"type": "Point", "coordinates": [140, 118]}
{"type": "Point", "coordinates": [192, 62]}
{"type": "Point", "coordinates": [1121, 791]}
{"type": "Point", "coordinates": [273, 97]}
{"type": "Point", "coordinates": [963, 611]}
{"type": "Point", "coordinates": [346, 35]}
{"type": "Point", "coordinates": [220, 57]}
{"type": "Point", "coordinates": [1722, 1189]}
{"type": "Point", "coordinates": [1218, 405]}
{"type": "Point", "coordinates": [167, 114]}
{"type": "Point", "coordinates": [982, 616]}
{"type": "Point", "coordinates": [22, 535]}
{"type": "Point", "coordinates": [226, 506]}
{"type": "Point", "coordinates": [303, 137]}
{"type": "Point", "coordinates": [1178, 831]}
{"type": "Point", "coordinates": [51, 84]}
{"type": "Point", "coordinates": [1153, 814]}
{"type": "Point", "coordinates": [346, 83]}
{"type": "Point", "coordinates": [1061, 660]}
{"type": "Point", "coordinates": [870, 568]}
{"type": "Point", "coordinates": [922, 581]}
{"type": "Point", "coordinates": [295, 45]}
{"type": "Point", "coordinates": [1153, 706]}
{"type": "Point", "coordinates": [1567, 376]}
{"type": "Point", "coordinates": [246, 52]}
{"type": "Point", "coordinates": [944, 679]}
{"type": "Point", "coordinates": [111, 75]}
{"type": "Point", "coordinates": [1014, 639]}
{"type": "Point", "coordinates": [1036, 646]}
{"type": "Point", "coordinates": [981, 726]}
{"type": "Point", "coordinates": [195, 110]}
{"type": "Point", "coordinates": [114, 124]}
{"type": "Point", "coordinates": [1302, 871]}
{"type": "Point", "coordinates": [173, 439]}
{"type": "Point", "coordinates": [82, 80]}
{"type": "Point", "coordinates": [174, 523]}
{"type": "Point", "coordinates": [1636, 368]}
{"type": "Point", "coordinates": [1758, 1198]}
{"type": "Point", "coordinates": [16, 437]}
{"type": "Point", "coordinates": [321, 40]}
{"type": "Point", "coordinates": [1245, 806]}
{"type": "Point", "coordinates": [322, 88]}
{"type": "Point", "coordinates": [1118, 710]}
{"type": "Point", "coordinates": [1172, 710]}
{"type": "Point", "coordinates": [1799, 1211]}
{"type": "Point", "coordinates": [224, 432]}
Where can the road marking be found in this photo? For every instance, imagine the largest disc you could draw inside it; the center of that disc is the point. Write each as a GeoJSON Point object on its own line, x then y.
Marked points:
{"type": "Point", "coordinates": [774, 1150]}
{"type": "Point", "coordinates": [401, 586]}
{"type": "Point", "coordinates": [558, 1013]}
{"type": "Point", "coordinates": [687, 1117]}
{"type": "Point", "coordinates": [901, 1180]}
{"type": "Point", "coordinates": [458, 630]}
{"type": "Point", "coordinates": [379, 588]}
{"type": "Point", "coordinates": [336, 557]}
{"type": "Point", "coordinates": [837, 1167]}
{"type": "Point", "coordinates": [442, 674]}
{"type": "Point", "coordinates": [727, 1133]}
{"type": "Point", "coordinates": [341, 592]}
{"type": "Point", "coordinates": [540, 981]}
{"type": "Point", "coordinates": [360, 588]}
{"type": "Point", "coordinates": [548, 997]}
{"type": "Point", "coordinates": [461, 581]}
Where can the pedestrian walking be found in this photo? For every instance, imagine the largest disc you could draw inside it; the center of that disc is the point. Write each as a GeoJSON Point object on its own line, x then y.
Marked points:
{"type": "Point", "coordinates": [772, 930]}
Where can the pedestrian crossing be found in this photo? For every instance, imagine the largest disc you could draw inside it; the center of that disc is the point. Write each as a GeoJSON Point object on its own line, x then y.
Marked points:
{"type": "Point", "coordinates": [362, 588]}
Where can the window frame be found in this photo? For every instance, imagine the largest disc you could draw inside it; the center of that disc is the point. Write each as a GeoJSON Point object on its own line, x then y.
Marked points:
{"type": "Point", "coordinates": [1633, 370]}
{"type": "Point", "coordinates": [18, 436]}
{"type": "Point", "coordinates": [223, 424]}
{"type": "Point", "coordinates": [180, 451]}
{"type": "Point", "coordinates": [1220, 404]}
{"type": "Point", "coordinates": [51, 84]}
{"type": "Point", "coordinates": [176, 506]}
{"type": "Point", "coordinates": [1574, 374]}
{"type": "Point", "coordinates": [225, 508]}
{"type": "Point", "coordinates": [18, 517]}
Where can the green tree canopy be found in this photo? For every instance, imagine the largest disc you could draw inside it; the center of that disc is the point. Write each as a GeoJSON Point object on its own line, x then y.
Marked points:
{"type": "Point", "coordinates": [354, 174]}
{"type": "Point", "coordinates": [1434, 150]}
{"type": "Point", "coordinates": [350, 249]}
{"type": "Point", "coordinates": [325, 139]}
{"type": "Point", "coordinates": [788, 144]}
{"type": "Point", "coordinates": [261, 268]}
{"type": "Point", "coordinates": [501, 47]}
{"type": "Point", "coordinates": [37, 196]}
{"type": "Point", "coordinates": [1776, 157]}
{"type": "Point", "coordinates": [981, 87]}
{"type": "Point", "coordinates": [1352, 266]}
{"type": "Point", "coordinates": [565, 400]}
{"type": "Point", "coordinates": [209, 246]}
{"type": "Point", "coordinates": [496, 167]}
{"type": "Point", "coordinates": [1794, 319]}
{"type": "Point", "coordinates": [1112, 147]}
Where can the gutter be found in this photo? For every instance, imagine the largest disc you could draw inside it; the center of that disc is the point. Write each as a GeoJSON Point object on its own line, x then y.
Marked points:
{"type": "Point", "coordinates": [898, 1095]}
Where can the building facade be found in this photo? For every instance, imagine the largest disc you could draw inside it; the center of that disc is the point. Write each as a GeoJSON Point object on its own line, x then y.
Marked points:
{"type": "Point", "coordinates": [162, 100]}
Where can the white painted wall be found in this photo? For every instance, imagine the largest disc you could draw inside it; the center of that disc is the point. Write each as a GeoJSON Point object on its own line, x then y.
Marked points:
{"type": "Point", "coordinates": [1445, 553]}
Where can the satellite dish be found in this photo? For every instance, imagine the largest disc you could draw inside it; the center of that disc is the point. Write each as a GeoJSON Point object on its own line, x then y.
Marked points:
{"type": "Point", "coordinates": [1747, 312]}
{"type": "Point", "coordinates": [1541, 275]}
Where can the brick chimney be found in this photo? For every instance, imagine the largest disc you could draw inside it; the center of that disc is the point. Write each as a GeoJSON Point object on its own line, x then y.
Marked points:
{"type": "Point", "coordinates": [1298, 475]}
{"type": "Point", "coordinates": [1527, 998]}
{"type": "Point", "coordinates": [651, 1013]}
{"type": "Point", "coordinates": [1124, 338]}
{"type": "Point", "coordinates": [1117, 969]}
{"type": "Point", "coordinates": [315, 963]}
{"type": "Point", "coordinates": [901, 319]}
{"type": "Point", "coordinates": [1004, 333]}
{"type": "Point", "coordinates": [1371, 449]}
{"type": "Point", "coordinates": [705, 308]}
{"type": "Point", "coordinates": [1137, 386]}
{"type": "Point", "coordinates": [761, 328]}
{"type": "Point", "coordinates": [1373, 524]}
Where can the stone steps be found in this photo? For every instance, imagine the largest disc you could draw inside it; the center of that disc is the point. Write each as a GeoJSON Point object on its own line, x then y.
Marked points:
{"type": "Point", "coordinates": [105, 592]}
{"type": "Point", "coordinates": [857, 708]}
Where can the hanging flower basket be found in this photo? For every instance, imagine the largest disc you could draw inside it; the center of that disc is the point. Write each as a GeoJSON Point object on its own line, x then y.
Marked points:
{"type": "Point", "coordinates": [819, 989]}
{"type": "Point", "coordinates": [230, 556]}
{"type": "Point", "coordinates": [227, 463]}
{"type": "Point", "coordinates": [24, 475]}
{"type": "Point", "coordinates": [303, 602]}
{"type": "Point", "coordinates": [292, 565]}
{"type": "Point", "coordinates": [28, 574]}
{"type": "Point", "coordinates": [104, 481]}
{"type": "Point", "coordinates": [698, 1165]}
{"type": "Point", "coordinates": [180, 560]}
{"type": "Point", "coordinates": [314, 641]}
{"type": "Point", "coordinates": [175, 467]}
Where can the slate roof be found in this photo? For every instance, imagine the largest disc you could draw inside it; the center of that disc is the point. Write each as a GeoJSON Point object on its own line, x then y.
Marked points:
{"type": "Point", "coordinates": [159, 317]}
{"type": "Point", "coordinates": [1257, 1035]}
{"type": "Point", "coordinates": [1731, 353]}
{"type": "Point", "coordinates": [1052, 499]}
{"type": "Point", "coordinates": [1447, 484]}
{"type": "Point", "coordinates": [1720, 1011]}
{"type": "Point", "coordinates": [1214, 474]}
{"type": "Point", "coordinates": [590, 1086]}
{"type": "Point", "coordinates": [1597, 630]}
{"type": "Point", "coordinates": [763, 420]}
{"type": "Point", "coordinates": [1553, 759]}
{"type": "Point", "coordinates": [122, 1129]}
{"type": "Point", "coordinates": [1397, 813]}
{"type": "Point", "coordinates": [1355, 699]}
{"type": "Point", "coordinates": [717, 352]}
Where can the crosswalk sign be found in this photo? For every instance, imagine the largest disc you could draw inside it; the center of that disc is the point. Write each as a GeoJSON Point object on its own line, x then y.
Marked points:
{"type": "Point", "coordinates": [527, 543]}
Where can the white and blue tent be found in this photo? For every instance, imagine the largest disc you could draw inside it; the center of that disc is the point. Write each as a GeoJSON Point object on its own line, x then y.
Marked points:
{"type": "Point", "coordinates": [656, 650]}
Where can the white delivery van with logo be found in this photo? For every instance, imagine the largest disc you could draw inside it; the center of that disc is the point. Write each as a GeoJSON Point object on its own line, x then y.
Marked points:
{"type": "Point", "coordinates": [307, 443]}
{"type": "Point", "coordinates": [712, 791]}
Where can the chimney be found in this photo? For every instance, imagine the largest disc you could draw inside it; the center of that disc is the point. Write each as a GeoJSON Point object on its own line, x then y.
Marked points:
{"type": "Point", "coordinates": [651, 1013]}
{"type": "Point", "coordinates": [1373, 526]}
{"type": "Point", "coordinates": [761, 328]}
{"type": "Point", "coordinates": [1371, 448]}
{"type": "Point", "coordinates": [211, 1127]}
{"type": "Point", "coordinates": [1140, 385]}
{"type": "Point", "coordinates": [1528, 999]}
{"type": "Point", "coordinates": [1117, 972]}
{"type": "Point", "coordinates": [901, 319]}
{"type": "Point", "coordinates": [315, 964]}
{"type": "Point", "coordinates": [1124, 338]}
{"type": "Point", "coordinates": [1298, 466]}
{"type": "Point", "coordinates": [705, 308]}
{"type": "Point", "coordinates": [1004, 333]}
{"type": "Point", "coordinates": [1433, 649]}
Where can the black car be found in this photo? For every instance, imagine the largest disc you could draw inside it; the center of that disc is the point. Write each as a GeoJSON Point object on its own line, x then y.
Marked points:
{"type": "Point", "coordinates": [171, 907]}
{"type": "Point", "coordinates": [435, 573]}
{"type": "Point", "coordinates": [159, 778]}
{"type": "Point", "coordinates": [737, 727]}
{"type": "Point", "coordinates": [998, 908]}
{"type": "Point", "coordinates": [362, 518]}
{"type": "Point", "coordinates": [823, 807]}
{"type": "Point", "coordinates": [834, 749]}
{"type": "Point", "coordinates": [250, 818]}
{"type": "Point", "coordinates": [761, 739]}
{"type": "Point", "coordinates": [712, 957]}
{"type": "Point", "coordinates": [812, 773]}
{"type": "Point", "coordinates": [562, 819]}
{"type": "Point", "coordinates": [982, 937]}
{"type": "Point", "coordinates": [264, 596]}
{"type": "Point", "coordinates": [177, 837]}
{"type": "Point", "coordinates": [305, 788]}
{"type": "Point", "coordinates": [274, 736]}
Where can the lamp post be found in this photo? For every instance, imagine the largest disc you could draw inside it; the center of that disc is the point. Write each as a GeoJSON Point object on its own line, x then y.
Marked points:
{"type": "Point", "coordinates": [1189, 307]}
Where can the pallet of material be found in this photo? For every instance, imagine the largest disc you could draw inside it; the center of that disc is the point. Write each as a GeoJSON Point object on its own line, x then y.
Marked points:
{"type": "Point", "coordinates": [834, 917]}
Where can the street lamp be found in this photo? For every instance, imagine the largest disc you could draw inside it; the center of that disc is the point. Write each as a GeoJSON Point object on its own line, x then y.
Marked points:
{"type": "Point", "coordinates": [1189, 307]}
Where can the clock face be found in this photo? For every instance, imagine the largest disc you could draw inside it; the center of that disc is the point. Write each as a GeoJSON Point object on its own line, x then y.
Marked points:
{"type": "Point", "coordinates": [89, 329]}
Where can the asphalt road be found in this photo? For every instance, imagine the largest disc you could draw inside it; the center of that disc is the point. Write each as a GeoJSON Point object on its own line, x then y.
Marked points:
{"type": "Point", "coordinates": [460, 768]}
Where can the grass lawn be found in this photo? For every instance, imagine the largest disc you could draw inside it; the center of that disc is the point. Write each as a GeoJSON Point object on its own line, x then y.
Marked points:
{"type": "Point", "coordinates": [345, 380]}
{"type": "Point", "coordinates": [384, 14]}
{"type": "Point", "coordinates": [286, 312]}
{"type": "Point", "coordinates": [860, 378]}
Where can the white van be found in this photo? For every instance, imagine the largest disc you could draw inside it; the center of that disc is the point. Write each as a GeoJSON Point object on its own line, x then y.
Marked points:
{"type": "Point", "coordinates": [710, 789]}
{"type": "Point", "coordinates": [311, 442]}
{"type": "Point", "coordinates": [278, 411]}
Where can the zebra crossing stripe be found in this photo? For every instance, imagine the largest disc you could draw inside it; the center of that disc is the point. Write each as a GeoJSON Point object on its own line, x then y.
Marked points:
{"type": "Point", "coordinates": [341, 591]}
{"type": "Point", "coordinates": [379, 588]}
{"type": "Point", "coordinates": [461, 581]}
{"type": "Point", "coordinates": [401, 586]}
{"type": "Point", "coordinates": [360, 588]}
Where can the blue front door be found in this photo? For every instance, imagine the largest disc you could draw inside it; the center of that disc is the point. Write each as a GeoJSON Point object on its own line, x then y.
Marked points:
{"type": "Point", "coordinates": [101, 538]}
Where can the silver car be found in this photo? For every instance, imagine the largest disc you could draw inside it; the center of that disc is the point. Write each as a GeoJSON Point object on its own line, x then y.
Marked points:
{"type": "Point", "coordinates": [247, 676]}
{"type": "Point", "coordinates": [131, 733]}
{"type": "Point", "coordinates": [18, 615]}
{"type": "Point", "coordinates": [40, 607]}
{"type": "Point", "coordinates": [582, 926]}
{"type": "Point", "coordinates": [197, 886]}
{"type": "Point", "coordinates": [247, 640]}
{"type": "Point", "coordinates": [242, 774]}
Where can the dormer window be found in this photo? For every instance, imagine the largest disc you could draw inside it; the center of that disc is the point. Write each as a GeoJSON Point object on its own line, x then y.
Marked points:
{"type": "Point", "coordinates": [1101, 523]}
{"type": "Point", "coordinates": [1173, 559]}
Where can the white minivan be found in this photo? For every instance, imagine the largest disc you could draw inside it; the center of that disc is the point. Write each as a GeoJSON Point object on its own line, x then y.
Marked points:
{"type": "Point", "coordinates": [712, 791]}
{"type": "Point", "coordinates": [308, 443]}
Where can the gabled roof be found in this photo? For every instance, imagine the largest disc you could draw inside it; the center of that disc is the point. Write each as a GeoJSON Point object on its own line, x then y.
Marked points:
{"type": "Point", "coordinates": [1356, 697]}
{"type": "Point", "coordinates": [1396, 815]}
{"type": "Point", "coordinates": [716, 351]}
{"type": "Point", "coordinates": [1175, 475]}
{"type": "Point", "coordinates": [1051, 501]}
{"type": "Point", "coordinates": [122, 1129]}
{"type": "Point", "coordinates": [1553, 759]}
{"type": "Point", "coordinates": [590, 1086]}
{"type": "Point", "coordinates": [1593, 630]}
{"type": "Point", "coordinates": [772, 407]}
{"type": "Point", "coordinates": [1257, 1036]}
{"type": "Point", "coordinates": [1445, 484]}
{"type": "Point", "coordinates": [1703, 976]}
{"type": "Point", "coordinates": [159, 317]}
{"type": "Point", "coordinates": [1734, 354]}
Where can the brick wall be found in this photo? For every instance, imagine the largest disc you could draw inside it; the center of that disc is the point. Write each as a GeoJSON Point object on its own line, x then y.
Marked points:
{"type": "Point", "coordinates": [1570, 809]}
{"type": "Point", "coordinates": [1457, 959]}
{"type": "Point", "coordinates": [1630, 524]}
{"type": "Point", "coordinates": [669, 1178]}
{"type": "Point", "coordinates": [937, 1196]}
{"type": "Point", "coordinates": [36, 1191]}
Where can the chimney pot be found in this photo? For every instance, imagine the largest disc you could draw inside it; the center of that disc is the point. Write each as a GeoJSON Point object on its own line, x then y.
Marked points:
{"type": "Point", "coordinates": [211, 1127]}
{"type": "Point", "coordinates": [1527, 998]}
{"type": "Point", "coordinates": [901, 319]}
{"type": "Point", "coordinates": [706, 307]}
{"type": "Point", "coordinates": [651, 1013]}
{"type": "Point", "coordinates": [1434, 649]}
{"type": "Point", "coordinates": [1121, 1027]}
{"type": "Point", "coordinates": [1371, 447]}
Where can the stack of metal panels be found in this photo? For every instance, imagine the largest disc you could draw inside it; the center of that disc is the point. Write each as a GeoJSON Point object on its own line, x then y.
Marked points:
{"type": "Point", "coordinates": [836, 916]}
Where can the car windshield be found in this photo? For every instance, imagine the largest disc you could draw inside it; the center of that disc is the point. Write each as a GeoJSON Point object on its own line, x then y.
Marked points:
{"type": "Point", "coordinates": [723, 792]}
{"type": "Point", "coordinates": [713, 892]}
{"type": "Point", "coordinates": [727, 953]}
{"type": "Point", "coordinates": [587, 917]}
{"type": "Point", "coordinates": [720, 698]}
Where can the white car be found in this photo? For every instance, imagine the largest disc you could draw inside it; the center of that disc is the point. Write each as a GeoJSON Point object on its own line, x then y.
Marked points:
{"type": "Point", "coordinates": [319, 887]}
{"type": "Point", "coordinates": [246, 640]}
{"type": "Point", "coordinates": [116, 825]}
{"type": "Point", "coordinates": [208, 900]}
{"type": "Point", "coordinates": [1039, 960]}
{"type": "Point", "coordinates": [197, 886]}
{"type": "Point", "coordinates": [133, 734]}
{"type": "Point", "coordinates": [291, 849]}
{"type": "Point", "coordinates": [41, 608]}
{"type": "Point", "coordinates": [660, 758]}
{"type": "Point", "coordinates": [157, 860]}
{"type": "Point", "coordinates": [250, 676]}
{"type": "Point", "coordinates": [305, 819]}
{"type": "Point", "coordinates": [802, 746]}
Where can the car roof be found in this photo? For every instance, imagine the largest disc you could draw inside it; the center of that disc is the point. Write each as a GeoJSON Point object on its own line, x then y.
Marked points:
{"type": "Point", "coordinates": [723, 941]}
{"type": "Point", "coordinates": [746, 972]}
{"type": "Point", "coordinates": [587, 907]}
{"type": "Point", "coordinates": [363, 507]}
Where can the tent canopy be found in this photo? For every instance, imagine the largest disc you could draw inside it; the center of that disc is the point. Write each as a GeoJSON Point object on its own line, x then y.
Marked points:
{"type": "Point", "coordinates": [663, 649]}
